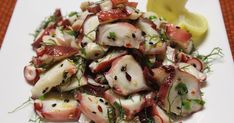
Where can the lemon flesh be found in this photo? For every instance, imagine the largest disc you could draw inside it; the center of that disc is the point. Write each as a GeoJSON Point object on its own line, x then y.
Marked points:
{"type": "Point", "coordinates": [196, 24]}
{"type": "Point", "coordinates": [174, 11]}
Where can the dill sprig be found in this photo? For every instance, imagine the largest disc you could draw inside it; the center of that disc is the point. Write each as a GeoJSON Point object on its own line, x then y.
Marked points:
{"type": "Point", "coordinates": [35, 119]}
{"type": "Point", "coordinates": [23, 105]}
{"type": "Point", "coordinates": [208, 59]}
{"type": "Point", "coordinates": [120, 110]}
{"type": "Point", "coordinates": [111, 114]}
{"type": "Point", "coordinates": [211, 56]}
{"type": "Point", "coordinates": [43, 25]}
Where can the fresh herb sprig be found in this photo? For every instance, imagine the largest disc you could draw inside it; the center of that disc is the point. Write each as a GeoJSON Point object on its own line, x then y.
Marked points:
{"type": "Point", "coordinates": [23, 105]}
{"type": "Point", "coordinates": [112, 36]}
{"type": "Point", "coordinates": [74, 13]}
{"type": "Point", "coordinates": [207, 59]}
{"type": "Point", "coordinates": [181, 89]}
{"type": "Point", "coordinates": [43, 25]}
{"type": "Point", "coordinates": [111, 114]}
{"type": "Point", "coordinates": [35, 119]}
{"type": "Point", "coordinates": [120, 110]}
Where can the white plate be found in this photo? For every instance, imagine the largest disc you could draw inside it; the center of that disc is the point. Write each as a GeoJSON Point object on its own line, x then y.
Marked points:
{"type": "Point", "coordinates": [16, 53]}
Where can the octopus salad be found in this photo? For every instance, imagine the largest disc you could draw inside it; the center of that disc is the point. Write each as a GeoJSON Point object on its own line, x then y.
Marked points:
{"type": "Point", "coordinates": [112, 63]}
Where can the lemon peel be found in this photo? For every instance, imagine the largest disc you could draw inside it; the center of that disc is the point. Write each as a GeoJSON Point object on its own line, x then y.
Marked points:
{"type": "Point", "coordinates": [174, 11]}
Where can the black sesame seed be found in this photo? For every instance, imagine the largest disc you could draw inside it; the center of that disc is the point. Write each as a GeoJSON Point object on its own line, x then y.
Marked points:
{"type": "Point", "coordinates": [83, 44]}
{"type": "Point", "coordinates": [194, 65]}
{"type": "Point", "coordinates": [94, 112]}
{"type": "Point", "coordinates": [101, 100]}
{"type": "Point", "coordinates": [61, 65]}
{"type": "Point", "coordinates": [44, 91]}
{"type": "Point", "coordinates": [115, 77]}
{"type": "Point", "coordinates": [78, 101]}
{"type": "Point", "coordinates": [151, 43]}
{"type": "Point", "coordinates": [178, 107]}
{"type": "Point", "coordinates": [143, 33]}
{"type": "Point", "coordinates": [106, 103]}
{"type": "Point", "coordinates": [66, 100]}
{"type": "Point", "coordinates": [128, 77]}
{"type": "Point", "coordinates": [124, 68]}
{"type": "Point", "coordinates": [133, 35]}
{"type": "Point", "coordinates": [53, 105]}
{"type": "Point", "coordinates": [177, 27]}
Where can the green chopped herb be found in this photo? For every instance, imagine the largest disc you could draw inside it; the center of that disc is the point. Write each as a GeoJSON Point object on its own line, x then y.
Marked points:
{"type": "Point", "coordinates": [112, 35]}
{"type": "Point", "coordinates": [149, 118]}
{"type": "Point", "coordinates": [198, 101]}
{"type": "Point", "coordinates": [186, 104]}
{"type": "Point", "coordinates": [43, 25]}
{"type": "Point", "coordinates": [111, 114]}
{"type": "Point", "coordinates": [71, 32]}
{"type": "Point", "coordinates": [72, 14]}
{"type": "Point", "coordinates": [130, 97]}
{"type": "Point", "coordinates": [182, 89]}
{"type": "Point", "coordinates": [120, 110]}
{"type": "Point", "coordinates": [49, 43]}
{"type": "Point", "coordinates": [83, 51]}
{"type": "Point", "coordinates": [152, 17]}
{"type": "Point", "coordinates": [80, 65]}
{"type": "Point", "coordinates": [163, 36]}
{"type": "Point", "coordinates": [148, 63]}
{"type": "Point", "coordinates": [154, 39]}
{"type": "Point", "coordinates": [42, 97]}
{"type": "Point", "coordinates": [35, 119]}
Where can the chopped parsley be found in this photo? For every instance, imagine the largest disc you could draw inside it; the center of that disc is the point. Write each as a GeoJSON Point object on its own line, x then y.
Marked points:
{"type": "Point", "coordinates": [120, 110]}
{"type": "Point", "coordinates": [182, 89]}
{"type": "Point", "coordinates": [43, 25]}
{"type": "Point", "coordinates": [111, 115]}
{"type": "Point", "coordinates": [71, 32]}
{"type": "Point", "coordinates": [35, 119]}
{"type": "Point", "coordinates": [186, 104]}
{"type": "Point", "coordinates": [49, 42]}
{"type": "Point", "coordinates": [83, 51]}
{"type": "Point", "coordinates": [163, 36]}
{"type": "Point", "coordinates": [152, 17]}
{"type": "Point", "coordinates": [112, 36]}
{"type": "Point", "coordinates": [73, 14]}
{"type": "Point", "coordinates": [198, 101]}
{"type": "Point", "coordinates": [42, 97]}
{"type": "Point", "coordinates": [149, 119]}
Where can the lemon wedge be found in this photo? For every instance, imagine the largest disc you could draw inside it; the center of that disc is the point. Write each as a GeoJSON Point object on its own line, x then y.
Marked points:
{"type": "Point", "coordinates": [174, 11]}
{"type": "Point", "coordinates": [196, 24]}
